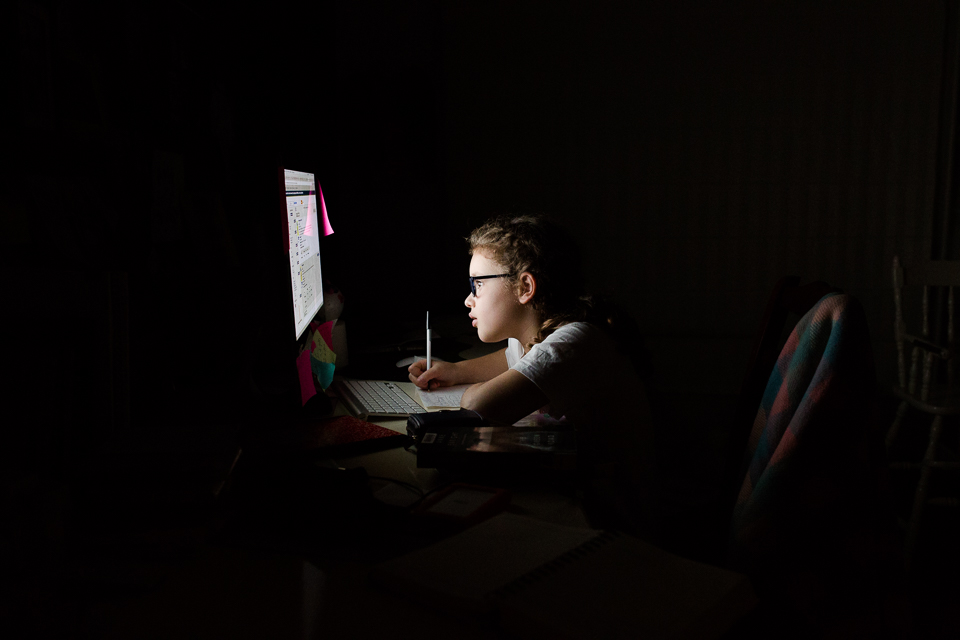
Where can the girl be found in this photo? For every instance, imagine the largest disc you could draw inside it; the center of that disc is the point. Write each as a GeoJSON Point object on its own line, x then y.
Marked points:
{"type": "Point", "coordinates": [566, 356]}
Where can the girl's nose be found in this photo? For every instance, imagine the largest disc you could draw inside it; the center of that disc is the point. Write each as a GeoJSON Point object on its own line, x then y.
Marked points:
{"type": "Point", "coordinates": [469, 300]}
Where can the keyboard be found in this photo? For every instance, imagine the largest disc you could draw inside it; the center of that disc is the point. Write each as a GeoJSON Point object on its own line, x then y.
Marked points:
{"type": "Point", "coordinates": [376, 398]}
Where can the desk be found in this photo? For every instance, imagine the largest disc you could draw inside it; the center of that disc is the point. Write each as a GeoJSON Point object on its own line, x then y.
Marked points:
{"type": "Point", "coordinates": [249, 590]}
{"type": "Point", "coordinates": [349, 607]}
{"type": "Point", "coordinates": [243, 589]}
{"type": "Point", "coordinates": [537, 500]}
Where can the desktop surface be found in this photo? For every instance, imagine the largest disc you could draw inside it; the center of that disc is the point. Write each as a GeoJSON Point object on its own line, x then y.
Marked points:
{"type": "Point", "coordinates": [306, 531]}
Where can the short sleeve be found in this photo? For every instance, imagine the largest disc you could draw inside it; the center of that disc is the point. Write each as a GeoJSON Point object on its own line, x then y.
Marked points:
{"type": "Point", "coordinates": [586, 381]}
{"type": "Point", "coordinates": [560, 364]}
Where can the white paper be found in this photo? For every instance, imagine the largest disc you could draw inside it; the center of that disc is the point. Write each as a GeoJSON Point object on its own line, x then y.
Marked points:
{"type": "Point", "coordinates": [447, 397]}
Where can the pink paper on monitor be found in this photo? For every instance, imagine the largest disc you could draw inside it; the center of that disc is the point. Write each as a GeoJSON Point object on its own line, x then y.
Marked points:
{"type": "Point", "coordinates": [326, 330]}
{"type": "Point", "coordinates": [322, 357]}
{"type": "Point", "coordinates": [307, 388]}
{"type": "Point", "coordinates": [327, 229]}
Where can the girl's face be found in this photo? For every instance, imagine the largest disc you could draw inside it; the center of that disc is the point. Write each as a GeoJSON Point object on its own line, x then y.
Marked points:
{"type": "Point", "coordinates": [497, 313]}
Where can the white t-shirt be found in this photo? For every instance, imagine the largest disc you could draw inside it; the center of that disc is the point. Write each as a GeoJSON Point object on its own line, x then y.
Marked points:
{"type": "Point", "coordinates": [590, 383]}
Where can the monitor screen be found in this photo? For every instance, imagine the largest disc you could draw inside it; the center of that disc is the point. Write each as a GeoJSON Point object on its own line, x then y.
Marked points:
{"type": "Point", "coordinates": [303, 234]}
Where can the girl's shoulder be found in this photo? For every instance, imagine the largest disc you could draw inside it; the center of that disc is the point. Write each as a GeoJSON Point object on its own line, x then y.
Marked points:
{"type": "Point", "coordinates": [582, 336]}
{"type": "Point", "coordinates": [578, 334]}
{"type": "Point", "coordinates": [573, 331]}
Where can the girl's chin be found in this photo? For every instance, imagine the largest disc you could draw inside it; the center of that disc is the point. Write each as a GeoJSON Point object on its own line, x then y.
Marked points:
{"type": "Point", "coordinates": [488, 338]}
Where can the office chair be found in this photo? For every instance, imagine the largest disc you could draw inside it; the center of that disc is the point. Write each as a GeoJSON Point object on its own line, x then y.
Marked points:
{"type": "Point", "coordinates": [934, 397]}
{"type": "Point", "coordinates": [810, 521]}
{"type": "Point", "coordinates": [786, 298]}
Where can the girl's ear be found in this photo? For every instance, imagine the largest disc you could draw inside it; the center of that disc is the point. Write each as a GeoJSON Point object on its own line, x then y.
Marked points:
{"type": "Point", "coordinates": [528, 287]}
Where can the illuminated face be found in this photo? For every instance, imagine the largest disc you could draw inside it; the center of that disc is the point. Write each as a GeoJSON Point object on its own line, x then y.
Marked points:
{"type": "Point", "coordinates": [495, 310]}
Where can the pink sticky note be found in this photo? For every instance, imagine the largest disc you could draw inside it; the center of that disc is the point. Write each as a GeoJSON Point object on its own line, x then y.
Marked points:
{"type": "Point", "coordinates": [326, 331]}
{"type": "Point", "coordinates": [307, 388]}
{"type": "Point", "coordinates": [327, 229]}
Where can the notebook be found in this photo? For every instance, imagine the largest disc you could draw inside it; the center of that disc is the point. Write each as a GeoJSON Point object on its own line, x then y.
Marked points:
{"type": "Point", "coordinates": [543, 580]}
{"type": "Point", "coordinates": [443, 398]}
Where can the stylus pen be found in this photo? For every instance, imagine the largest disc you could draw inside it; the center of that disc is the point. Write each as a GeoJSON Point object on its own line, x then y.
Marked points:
{"type": "Point", "coordinates": [429, 358]}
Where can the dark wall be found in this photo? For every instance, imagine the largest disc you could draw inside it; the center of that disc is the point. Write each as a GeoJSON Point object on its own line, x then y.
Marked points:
{"type": "Point", "coordinates": [704, 151]}
{"type": "Point", "coordinates": [143, 155]}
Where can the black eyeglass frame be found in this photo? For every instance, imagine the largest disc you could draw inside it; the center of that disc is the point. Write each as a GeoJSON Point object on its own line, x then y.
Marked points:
{"type": "Point", "coordinates": [473, 281]}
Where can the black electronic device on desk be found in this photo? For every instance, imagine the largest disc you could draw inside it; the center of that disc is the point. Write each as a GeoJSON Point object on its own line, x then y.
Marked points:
{"type": "Point", "coordinates": [464, 440]}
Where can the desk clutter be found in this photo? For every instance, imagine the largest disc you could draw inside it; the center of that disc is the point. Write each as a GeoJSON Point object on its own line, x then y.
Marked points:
{"type": "Point", "coordinates": [463, 440]}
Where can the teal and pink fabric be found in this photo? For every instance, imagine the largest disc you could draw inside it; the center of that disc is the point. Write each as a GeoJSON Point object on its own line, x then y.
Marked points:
{"type": "Point", "coordinates": [811, 520]}
{"type": "Point", "coordinates": [317, 362]}
{"type": "Point", "coordinates": [801, 381]}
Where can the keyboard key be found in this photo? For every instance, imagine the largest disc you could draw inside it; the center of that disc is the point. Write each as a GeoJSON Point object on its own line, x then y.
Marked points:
{"type": "Point", "coordinates": [380, 397]}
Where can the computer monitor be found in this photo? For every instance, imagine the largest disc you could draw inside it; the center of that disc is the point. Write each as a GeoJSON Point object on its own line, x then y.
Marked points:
{"type": "Point", "coordinates": [302, 230]}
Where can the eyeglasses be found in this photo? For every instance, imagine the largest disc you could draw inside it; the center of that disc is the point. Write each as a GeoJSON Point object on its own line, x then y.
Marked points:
{"type": "Point", "coordinates": [473, 281]}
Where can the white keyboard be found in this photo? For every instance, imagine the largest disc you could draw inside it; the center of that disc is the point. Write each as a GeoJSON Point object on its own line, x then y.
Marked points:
{"type": "Point", "coordinates": [376, 398]}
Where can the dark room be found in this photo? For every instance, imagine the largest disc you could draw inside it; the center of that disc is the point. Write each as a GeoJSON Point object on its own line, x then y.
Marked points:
{"type": "Point", "coordinates": [709, 394]}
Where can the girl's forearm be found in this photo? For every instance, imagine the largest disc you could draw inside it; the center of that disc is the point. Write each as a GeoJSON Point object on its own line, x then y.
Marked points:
{"type": "Point", "coordinates": [481, 369]}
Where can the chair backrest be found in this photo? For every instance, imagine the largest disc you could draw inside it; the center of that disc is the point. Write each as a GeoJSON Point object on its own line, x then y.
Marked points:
{"type": "Point", "coordinates": [935, 277]}
{"type": "Point", "coordinates": [787, 297]}
{"type": "Point", "coordinates": [811, 524]}
{"type": "Point", "coordinates": [821, 390]}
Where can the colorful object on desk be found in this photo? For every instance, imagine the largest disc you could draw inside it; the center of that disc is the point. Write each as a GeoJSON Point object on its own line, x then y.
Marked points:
{"type": "Point", "coordinates": [322, 357]}
{"type": "Point", "coordinates": [327, 229]}
{"type": "Point", "coordinates": [334, 437]}
{"type": "Point", "coordinates": [307, 388]}
{"type": "Point", "coordinates": [346, 430]}
{"type": "Point", "coordinates": [315, 365]}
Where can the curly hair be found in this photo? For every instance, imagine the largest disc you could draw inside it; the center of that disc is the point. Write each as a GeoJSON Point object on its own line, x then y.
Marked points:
{"type": "Point", "coordinates": [537, 245]}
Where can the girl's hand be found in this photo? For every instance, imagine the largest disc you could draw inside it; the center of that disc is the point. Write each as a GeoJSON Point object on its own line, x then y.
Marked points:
{"type": "Point", "coordinates": [441, 374]}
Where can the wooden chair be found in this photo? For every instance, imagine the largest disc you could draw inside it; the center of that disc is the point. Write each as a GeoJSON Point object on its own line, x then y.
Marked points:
{"type": "Point", "coordinates": [935, 393]}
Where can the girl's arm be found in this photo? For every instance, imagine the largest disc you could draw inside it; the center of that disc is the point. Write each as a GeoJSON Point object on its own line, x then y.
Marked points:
{"type": "Point", "coordinates": [499, 395]}
{"type": "Point", "coordinates": [504, 399]}
{"type": "Point", "coordinates": [447, 374]}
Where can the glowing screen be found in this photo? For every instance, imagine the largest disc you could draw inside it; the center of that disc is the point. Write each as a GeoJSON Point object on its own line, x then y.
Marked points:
{"type": "Point", "coordinates": [304, 235]}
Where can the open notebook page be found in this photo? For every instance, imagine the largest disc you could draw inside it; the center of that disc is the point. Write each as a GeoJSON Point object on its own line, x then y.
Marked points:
{"type": "Point", "coordinates": [445, 397]}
